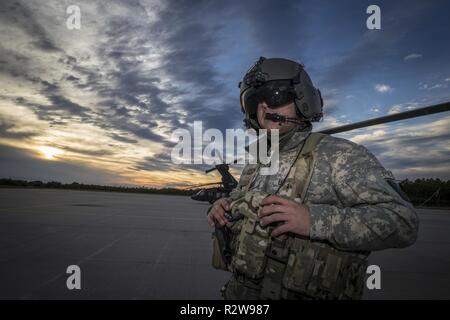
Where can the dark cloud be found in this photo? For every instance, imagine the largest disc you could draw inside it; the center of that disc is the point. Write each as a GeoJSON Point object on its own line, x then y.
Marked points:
{"type": "Point", "coordinates": [72, 78]}
{"type": "Point", "coordinates": [17, 13]}
{"type": "Point", "coordinates": [84, 151]}
{"type": "Point", "coordinates": [7, 131]}
{"type": "Point", "coordinates": [58, 113]}
{"type": "Point", "coordinates": [191, 47]}
{"type": "Point", "coordinates": [122, 138]}
{"type": "Point", "coordinates": [70, 107]}
{"type": "Point", "coordinates": [143, 132]}
{"type": "Point", "coordinates": [158, 162]}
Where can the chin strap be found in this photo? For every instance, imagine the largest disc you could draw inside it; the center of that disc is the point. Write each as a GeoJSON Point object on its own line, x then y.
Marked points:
{"type": "Point", "coordinates": [302, 125]}
{"type": "Point", "coordinates": [282, 119]}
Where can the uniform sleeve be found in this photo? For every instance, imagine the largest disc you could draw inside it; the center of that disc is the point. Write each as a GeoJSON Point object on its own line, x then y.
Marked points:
{"type": "Point", "coordinates": [372, 214]}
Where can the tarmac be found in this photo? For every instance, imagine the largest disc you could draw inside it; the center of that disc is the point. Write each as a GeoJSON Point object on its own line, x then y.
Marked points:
{"type": "Point", "coordinates": [145, 246]}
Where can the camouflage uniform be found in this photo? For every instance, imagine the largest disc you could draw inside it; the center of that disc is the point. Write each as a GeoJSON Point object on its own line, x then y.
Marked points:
{"type": "Point", "coordinates": [354, 208]}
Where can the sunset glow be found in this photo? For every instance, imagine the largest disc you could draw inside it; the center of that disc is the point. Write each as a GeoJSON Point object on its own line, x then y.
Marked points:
{"type": "Point", "coordinates": [50, 153]}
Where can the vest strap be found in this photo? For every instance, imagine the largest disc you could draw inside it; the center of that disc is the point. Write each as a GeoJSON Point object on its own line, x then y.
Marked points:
{"type": "Point", "coordinates": [278, 251]}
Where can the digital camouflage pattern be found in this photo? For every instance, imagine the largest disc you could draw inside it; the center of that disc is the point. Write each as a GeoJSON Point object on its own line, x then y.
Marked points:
{"type": "Point", "coordinates": [353, 208]}
{"type": "Point", "coordinates": [253, 239]}
{"type": "Point", "coordinates": [351, 203]}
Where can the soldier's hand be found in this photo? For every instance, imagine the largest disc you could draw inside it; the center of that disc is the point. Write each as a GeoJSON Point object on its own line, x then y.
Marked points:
{"type": "Point", "coordinates": [294, 217]}
{"type": "Point", "coordinates": [217, 213]}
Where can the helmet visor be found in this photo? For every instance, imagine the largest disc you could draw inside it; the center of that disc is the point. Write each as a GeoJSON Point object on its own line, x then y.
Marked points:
{"type": "Point", "coordinates": [274, 93]}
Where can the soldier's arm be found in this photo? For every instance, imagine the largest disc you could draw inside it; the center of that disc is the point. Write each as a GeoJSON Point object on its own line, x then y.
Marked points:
{"type": "Point", "coordinates": [373, 216]}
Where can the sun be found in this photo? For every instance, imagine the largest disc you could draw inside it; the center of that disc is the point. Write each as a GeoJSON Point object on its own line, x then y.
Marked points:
{"type": "Point", "coordinates": [50, 153]}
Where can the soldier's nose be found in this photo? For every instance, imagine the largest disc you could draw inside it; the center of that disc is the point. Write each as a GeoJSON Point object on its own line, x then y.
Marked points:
{"type": "Point", "coordinates": [263, 105]}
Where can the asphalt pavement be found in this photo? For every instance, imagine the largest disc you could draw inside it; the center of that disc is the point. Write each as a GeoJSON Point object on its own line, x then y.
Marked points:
{"type": "Point", "coordinates": [141, 246]}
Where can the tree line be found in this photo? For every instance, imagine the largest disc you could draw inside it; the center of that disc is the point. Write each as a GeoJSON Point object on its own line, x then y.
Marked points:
{"type": "Point", "coordinates": [82, 186]}
{"type": "Point", "coordinates": [427, 192]}
{"type": "Point", "coordinates": [430, 192]}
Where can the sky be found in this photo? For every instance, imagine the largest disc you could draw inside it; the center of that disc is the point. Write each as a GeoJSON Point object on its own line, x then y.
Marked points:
{"type": "Point", "coordinates": [100, 104]}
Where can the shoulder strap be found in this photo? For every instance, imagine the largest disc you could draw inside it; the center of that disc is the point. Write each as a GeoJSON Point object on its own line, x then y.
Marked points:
{"type": "Point", "coordinates": [312, 142]}
{"type": "Point", "coordinates": [310, 145]}
{"type": "Point", "coordinates": [247, 175]}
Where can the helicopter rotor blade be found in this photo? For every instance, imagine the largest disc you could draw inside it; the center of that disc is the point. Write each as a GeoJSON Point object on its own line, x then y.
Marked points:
{"type": "Point", "coordinates": [442, 107]}
{"type": "Point", "coordinates": [209, 170]}
{"type": "Point", "coordinates": [202, 185]}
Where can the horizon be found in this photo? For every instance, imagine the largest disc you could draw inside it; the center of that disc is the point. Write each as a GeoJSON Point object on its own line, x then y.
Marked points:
{"type": "Point", "coordinates": [185, 188]}
{"type": "Point", "coordinates": [99, 104]}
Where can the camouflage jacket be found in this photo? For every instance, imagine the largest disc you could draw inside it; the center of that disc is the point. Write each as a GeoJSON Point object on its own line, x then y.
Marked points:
{"type": "Point", "coordinates": [354, 203]}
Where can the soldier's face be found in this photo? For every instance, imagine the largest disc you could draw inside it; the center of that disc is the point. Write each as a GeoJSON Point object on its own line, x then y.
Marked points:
{"type": "Point", "coordinates": [288, 110]}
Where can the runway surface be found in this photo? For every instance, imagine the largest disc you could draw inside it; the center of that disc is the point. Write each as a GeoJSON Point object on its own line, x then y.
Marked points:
{"type": "Point", "coordinates": [140, 246]}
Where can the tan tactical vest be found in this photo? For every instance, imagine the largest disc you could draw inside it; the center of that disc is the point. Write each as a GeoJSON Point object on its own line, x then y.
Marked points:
{"type": "Point", "coordinates": [289, 266]}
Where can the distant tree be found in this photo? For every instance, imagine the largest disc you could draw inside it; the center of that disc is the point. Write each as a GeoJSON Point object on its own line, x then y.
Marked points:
{"type": "Point", "coordinates": [419, 190]}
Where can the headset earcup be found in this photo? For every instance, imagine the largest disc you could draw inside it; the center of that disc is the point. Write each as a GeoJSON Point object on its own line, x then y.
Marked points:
{"type": "Point", "coordinates": [297, 107]}
{"type": "Point", "coordinates": [251, 123]}
{"type": "Point", "coordinates": [321, 99]}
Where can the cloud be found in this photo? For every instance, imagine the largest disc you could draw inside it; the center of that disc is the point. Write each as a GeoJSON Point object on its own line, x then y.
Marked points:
{"type": "Point", "coordinates": [383, 88]}
{"type": "Point", "coordinates": [412, 56]}
{"type": "Point", "coordinates": [397, 108]}
{"type": "Point", "coordinates": [86, 151]}
{"type": "Point", "coordinates": [135, 80]}
{"type": "Point", "coordinates": [330, 122]}
{"type": "Point", "coordinates": [9, 131]}
{"type": "Point", "coordinates": [367, 137]}
{"type": "Point", "coordinates": [112, 93]}
{"type": "Point", "coordinates": [143, 83]}
{"type": "Point", "coordinates": [70, 107]}
{"type": "Point", "coordinates": [15, 13]}
{"type": "Point", "coordinates": [122, 138]}
{"type": "Point", "coordinates": [432, 87]}
{"type": "Point", "coordinates": [419, 150]}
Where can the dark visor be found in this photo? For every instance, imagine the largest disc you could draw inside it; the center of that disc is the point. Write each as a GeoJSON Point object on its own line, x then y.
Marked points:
{"type": "Point", "coordinates": [274, 93]}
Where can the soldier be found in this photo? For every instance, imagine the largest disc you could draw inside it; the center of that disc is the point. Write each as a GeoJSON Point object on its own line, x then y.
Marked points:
{"type": "Point", "coordinates": [305, 232]}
